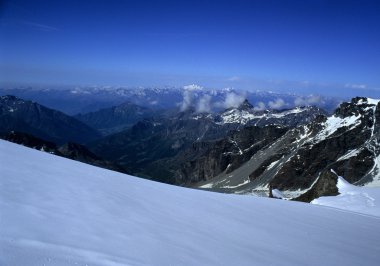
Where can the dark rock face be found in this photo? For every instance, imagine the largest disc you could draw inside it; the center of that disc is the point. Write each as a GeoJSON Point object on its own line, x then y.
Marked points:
{"type": "Point", "coordinates": [115, 119]}
{"type": "Point", "coordinates": [326, 185]}
{"type": "Point", "coordinates": [145, 147]}
{"type": "Point", "coordinates": [355, 167]}
{"type": "Point", "coordinates": [29, 117]}
{"type": "Point", "coordinates": [206, 160]}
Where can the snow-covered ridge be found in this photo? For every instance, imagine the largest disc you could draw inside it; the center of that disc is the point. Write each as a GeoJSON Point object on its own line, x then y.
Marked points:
{"type": "Point", "coordinates": [369, 101]}
{"type": "Point", "coordinates": [56, 211]}
{"type": "Point", "coordinates": [237, 116]}
{"type": "Point", "coordinates": [244, 116]}
{"type": "Point", "coordinates": [358, 199]}
{"type": "Point", "coordinates": [333, 123]}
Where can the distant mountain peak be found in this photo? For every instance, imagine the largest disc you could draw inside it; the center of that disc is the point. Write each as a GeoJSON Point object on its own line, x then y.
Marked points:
{"type": "Point", "coordinates": [357, 106]}
{"type": "Point", "coordinates": [245, 105]}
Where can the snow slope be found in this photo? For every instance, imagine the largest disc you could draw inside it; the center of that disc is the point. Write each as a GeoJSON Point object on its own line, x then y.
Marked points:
{"type": "Point", "coordinates": [54, 211]}
{"type": "Point", "coordinates": [353, 198]}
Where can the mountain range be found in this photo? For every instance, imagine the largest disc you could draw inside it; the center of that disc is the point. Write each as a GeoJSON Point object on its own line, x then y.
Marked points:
{"type": "Point", "coordinates": [155, 147]}
{"type": "Point", "coordinates": [82, 100]}
{"type": "Point", "coordinates": [298, 153]}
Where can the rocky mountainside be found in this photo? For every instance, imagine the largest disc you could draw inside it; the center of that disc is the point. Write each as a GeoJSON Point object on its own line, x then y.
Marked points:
{"type": "Point", "coordinates": [297, 163]}
{"type": "Point", "coordinates": [116, 118]}
{"type": "Point", "coordinates": [30, 117]}
{"type": "Point", "coordinates": [157, 147]}
{"type": "Point", "coordinates": [207, 159]}
{"type": "Point", "coordinates": [150, 140]}
{"type": "Point", "coordinates": [68, 150]}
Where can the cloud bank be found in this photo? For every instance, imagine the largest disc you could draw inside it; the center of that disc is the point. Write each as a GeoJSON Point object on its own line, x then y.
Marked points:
{"type": "Point", "coordinates": [260, 106]}
{"type": "Point", "coordinates": [187, 100]}
{"type": "Point", "coordinates": [203, 102]}
{"type": "Point", "coordinates": [308, 100]}
{"type": "Point", "coordinates": [233, 100]}
{"type": "Point", "coordinates": [277, 104]}
{"type": "Point", "coordinates": [188, 96]}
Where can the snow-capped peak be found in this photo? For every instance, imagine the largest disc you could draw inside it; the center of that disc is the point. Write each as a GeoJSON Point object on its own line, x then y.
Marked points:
{"type": "Point", "coordinates": [246, 113]}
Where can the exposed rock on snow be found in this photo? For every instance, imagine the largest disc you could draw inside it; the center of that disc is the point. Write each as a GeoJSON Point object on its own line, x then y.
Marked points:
{"type": "Point", "coordinates": [353, 198]}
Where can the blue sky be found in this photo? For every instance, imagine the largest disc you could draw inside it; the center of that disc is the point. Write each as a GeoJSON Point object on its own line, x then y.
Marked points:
{"type": "Point", "coordinates": [311, 46]}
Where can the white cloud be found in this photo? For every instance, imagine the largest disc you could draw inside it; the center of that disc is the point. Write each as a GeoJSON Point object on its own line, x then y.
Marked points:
{"type": "Point", "coordinates": [204, 104]}
{"type": "Point", "coordinates": [233, 100]}
{"type": "Point", "coordinates": [188, 96]}
{"type": "Point", "coordinates": [314, 99]}
{"type": "Point", "coordinates": [187, 100]}
{"type": "Point", "coordinates": [260, 106]}
{"type": "Point", "coordinates": [277, 104]}
{"type": "Point", "coordinates": [299, 101]}
{"type": "Point", "coordinates": [309, 100]}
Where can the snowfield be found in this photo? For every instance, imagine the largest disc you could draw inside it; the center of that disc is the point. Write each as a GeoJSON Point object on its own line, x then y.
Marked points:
{"type": "Point", "coordinates": [54, 211]}
{"type": "Point", "coordinates": [364, 200]}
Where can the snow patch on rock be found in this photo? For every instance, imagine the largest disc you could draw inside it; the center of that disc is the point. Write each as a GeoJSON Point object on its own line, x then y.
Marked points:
{"type": "Point", "coordinates": [363, 200]}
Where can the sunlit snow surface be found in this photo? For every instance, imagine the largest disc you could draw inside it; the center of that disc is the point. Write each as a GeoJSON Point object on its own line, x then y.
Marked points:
{"type": "Point", "coordinates": [54, 211]}
{"type": "Point", "coordinates": [353, 198]}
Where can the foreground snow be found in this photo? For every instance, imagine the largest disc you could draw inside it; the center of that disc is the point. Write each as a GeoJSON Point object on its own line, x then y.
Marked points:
{"type": "Point", "coordinates": [54, 211]}
{"type": "Point", "coordinates": [358, 199]}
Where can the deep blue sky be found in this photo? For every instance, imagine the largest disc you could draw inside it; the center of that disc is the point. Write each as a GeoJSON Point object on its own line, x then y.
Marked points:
{"type": "Point", "coordinates": [285, 45]}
